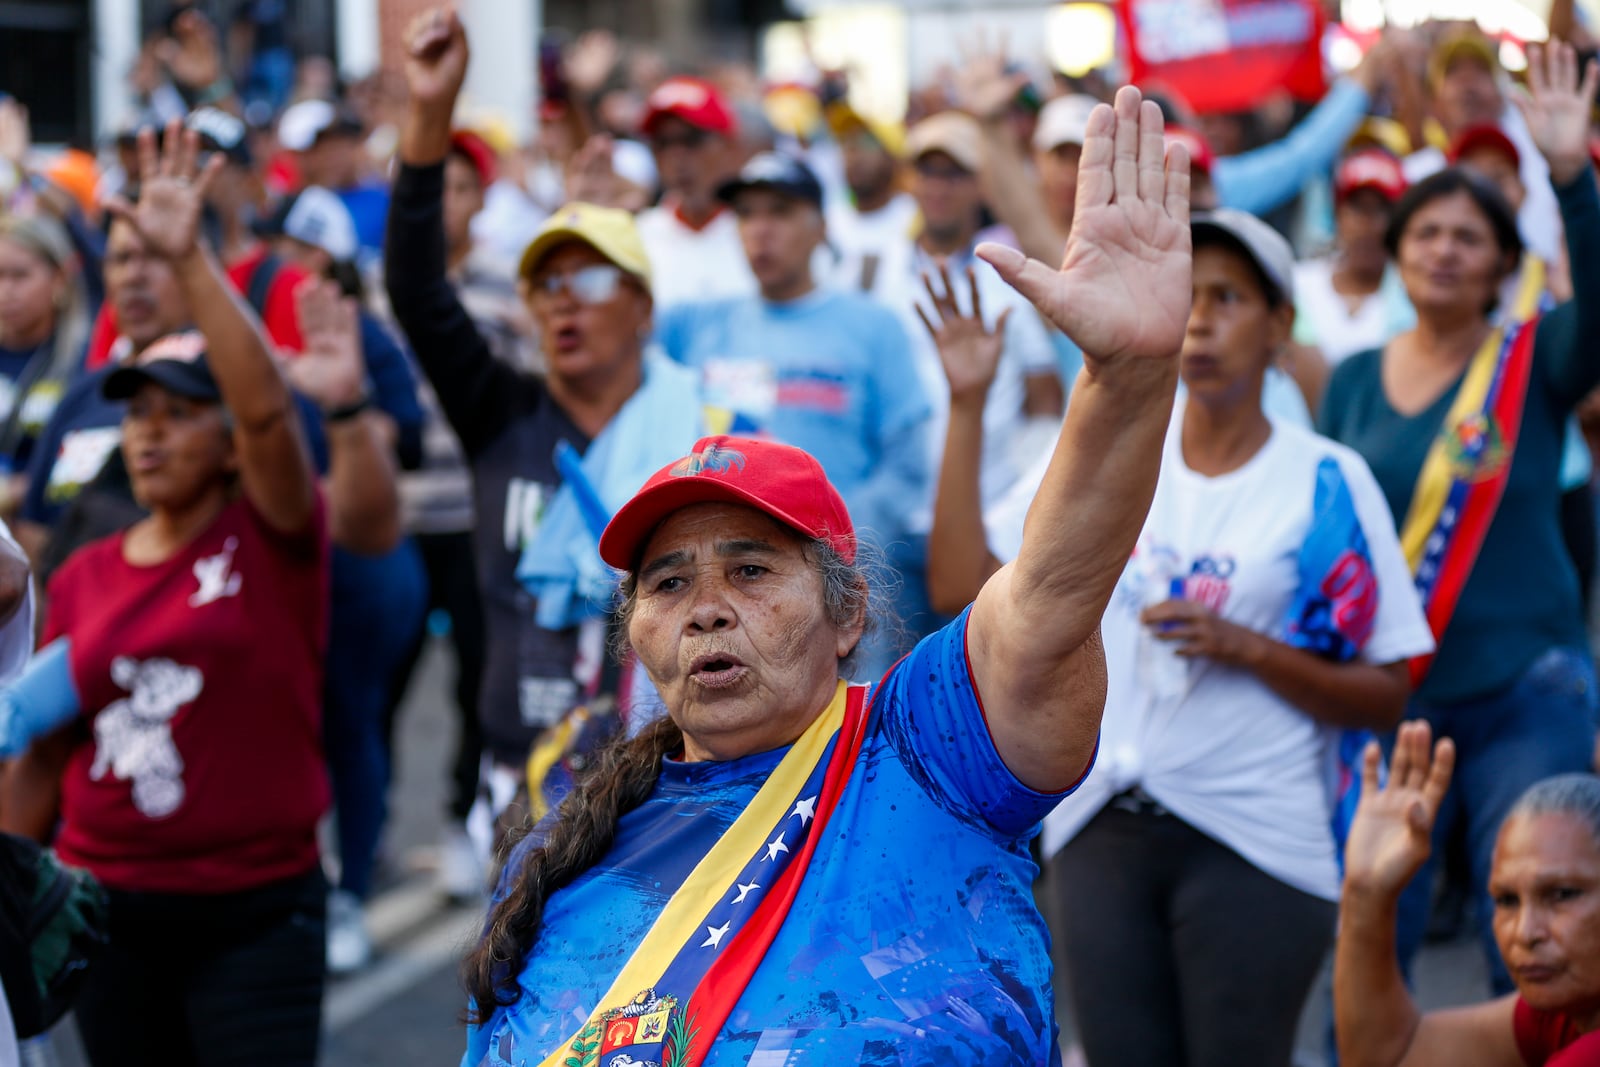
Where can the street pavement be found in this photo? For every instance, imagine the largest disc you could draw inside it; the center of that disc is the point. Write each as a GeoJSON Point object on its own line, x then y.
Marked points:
{"type": "Point", "coordinates": [405, 1009]}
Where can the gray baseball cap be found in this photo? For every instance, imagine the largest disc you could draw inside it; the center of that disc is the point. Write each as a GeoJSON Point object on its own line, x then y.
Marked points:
{"type": "Point", "coordinates": [1258, 240]}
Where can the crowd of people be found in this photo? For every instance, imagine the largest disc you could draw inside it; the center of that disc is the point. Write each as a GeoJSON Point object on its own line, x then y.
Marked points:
{"type": "Point", "coordinates": [872, 552]}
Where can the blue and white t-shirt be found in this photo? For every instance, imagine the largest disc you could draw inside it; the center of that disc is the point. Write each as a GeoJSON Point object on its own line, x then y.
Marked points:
{"type": "Point", "coordinates": [1210, 742]}
{"type": "Point", "coordinates": [914, 938]}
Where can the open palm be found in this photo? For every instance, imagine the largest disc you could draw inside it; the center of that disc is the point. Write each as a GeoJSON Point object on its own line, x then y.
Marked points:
{"type": "Point", "coordinates": [330, 370]}
{"type": "Point", "coordinates": [1390, 837]}
{"type": "Point", "coordinates": [1123, 288]}
{"type": "Point", "coordinates": [1556, 108]}
{"type": "Point", "coordinates": [172, 192]}
{"type": "Point", "coordinates": [969, 352]}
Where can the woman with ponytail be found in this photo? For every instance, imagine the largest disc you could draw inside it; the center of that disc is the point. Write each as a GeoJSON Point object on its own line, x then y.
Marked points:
{"type": "Point", "coordinates": [792, 867]}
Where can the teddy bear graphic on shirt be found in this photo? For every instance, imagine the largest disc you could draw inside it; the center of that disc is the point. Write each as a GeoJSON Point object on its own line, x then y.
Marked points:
{"type": "Point", "coordinates": [133, 736]}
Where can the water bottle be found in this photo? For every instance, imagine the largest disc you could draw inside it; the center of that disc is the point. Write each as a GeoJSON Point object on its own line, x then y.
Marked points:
{"type": "Point", "coordinates": [1164, 673]}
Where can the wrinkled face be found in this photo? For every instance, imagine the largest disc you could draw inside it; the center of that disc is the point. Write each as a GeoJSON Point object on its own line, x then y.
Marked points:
{"type": "Point", "coordinates": [1467, 96]}
{"type": "Point", "coordinates": [141, 288]}
{"type": "Point", "coordinates": [779, 233]}
{"type": "Point", "coordinates": [1058, 177]}
{"type": "Point", "coordinates": [1500, 171]}
{"type": "Point", "coordinates": [177, 449]}
{"type": "Point", "coordinates": [1359, 222]}
{"type": "Point", "coordinates": [29, 291]}
{"type": "Point", "coordinates": [947, 193]}
{"type": "Point", "coordinates": [1449, 259]}
{"type": "Point", "coordinates": [729, 622]}
{"type": "Point", "coordinates": [691, 162]}
{"type": "Point", "coordinates": [1545, 884]}
{"type": "Point", "coordinates": [1232, 331]}
{"type": "Point", "coordinates": [583, 338]}
{"type": "Point", "coordinates": [463, 198]}
{"type": "Point", "coordinates": [868, 169]}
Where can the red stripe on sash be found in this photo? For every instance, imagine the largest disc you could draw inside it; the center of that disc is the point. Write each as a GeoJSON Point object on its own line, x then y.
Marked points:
{"type": "Point", "coordinates": [725, 981]}
{"type": "Point", "coordinates": [1482, 499]}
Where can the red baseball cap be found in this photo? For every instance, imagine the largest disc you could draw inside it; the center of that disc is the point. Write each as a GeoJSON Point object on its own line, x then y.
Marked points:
{"type": "Point", "coordinates": [1475, 137]}
{"type": "Point", "coordinates": [482, 157]}
{"type": "Point", "coordinates": [695, 101]}
{"type": "Point", "coordinates": [1201, 158]}
{"type": "Point", "coordinates": [778, 480]}
{"type": "Point", "coordinates": [1370, 168]}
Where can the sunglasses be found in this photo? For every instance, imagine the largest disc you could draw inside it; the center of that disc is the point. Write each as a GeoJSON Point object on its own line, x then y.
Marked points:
{"type": "Point", "coordinates": [594, 284]}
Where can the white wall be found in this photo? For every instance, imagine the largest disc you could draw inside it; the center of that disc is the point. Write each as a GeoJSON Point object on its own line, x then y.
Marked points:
{"type": "Point", "coordinates": [503, 78]}
{"type": "Point", "coordinates": [116, 29]}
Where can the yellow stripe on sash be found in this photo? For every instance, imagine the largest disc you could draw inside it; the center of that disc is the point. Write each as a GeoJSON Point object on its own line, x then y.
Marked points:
{"type": "Point", "coordinates": [1435, 478]}
{"type": "Point", "coordinates": [715, 874]}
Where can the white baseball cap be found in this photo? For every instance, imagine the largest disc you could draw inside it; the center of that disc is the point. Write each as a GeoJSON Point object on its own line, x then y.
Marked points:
{"type": "Point", "coordinates": [319, 218]}
{"type": "Point", "coordinates": [1064, 120]}
{"type": "Point", "coordinates": [301, 124]}
{"type": "Point", "coordinates": [1257, 240]}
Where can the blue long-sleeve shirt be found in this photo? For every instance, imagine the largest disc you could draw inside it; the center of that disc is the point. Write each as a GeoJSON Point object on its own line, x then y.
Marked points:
{"type": "Point", "coordinates": [1265, 179]}
{"type": "Point", "coordinates": [830, 373]}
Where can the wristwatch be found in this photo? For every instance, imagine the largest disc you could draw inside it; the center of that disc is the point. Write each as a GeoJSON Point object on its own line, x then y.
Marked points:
{"type": "Point", "coordinates": [346, 412]}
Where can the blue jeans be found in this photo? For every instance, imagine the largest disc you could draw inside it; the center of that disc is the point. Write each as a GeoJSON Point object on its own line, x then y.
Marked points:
{"type": "Point", "coordinates": [378, 608]}
{"type": "Point", "coordinates": [1543, 725]}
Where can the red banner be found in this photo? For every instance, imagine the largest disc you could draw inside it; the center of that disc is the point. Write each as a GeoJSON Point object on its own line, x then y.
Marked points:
{"type": "Point", "coordinates": [1225, 55]}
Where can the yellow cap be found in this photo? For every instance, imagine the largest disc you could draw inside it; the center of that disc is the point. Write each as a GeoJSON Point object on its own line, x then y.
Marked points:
{"type": "Point", "coordinates": [1462, 43]}
{"type": "Point", "coordinates": [793, 110]}
{"type": "Point", "coordinates": [609, 231]}
{"type": "Point", "coordinates": [1384, 132]}
{"type": "Point", "coordinates": [954, 133]}
{"type": "Point", "coordinates": [844, 120]}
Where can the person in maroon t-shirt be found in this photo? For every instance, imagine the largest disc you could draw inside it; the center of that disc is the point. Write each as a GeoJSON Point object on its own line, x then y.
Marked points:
{"type": "Point", "coordinates": [1545, 884]}
{"type": "Point", "coordinates": [196, 644]}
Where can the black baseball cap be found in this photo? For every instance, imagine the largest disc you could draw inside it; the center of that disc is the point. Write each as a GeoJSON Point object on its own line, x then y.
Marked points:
{"type": "Point", "coordinates": [774, 170]}
{"type": "Point", "coordinates": [176, 362]}
{"type": "Point", "coordinates": [221, 132]}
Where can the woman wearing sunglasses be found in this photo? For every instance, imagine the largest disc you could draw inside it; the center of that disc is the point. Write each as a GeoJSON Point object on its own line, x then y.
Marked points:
{"type": "Point", "coordinates": [585, 279]}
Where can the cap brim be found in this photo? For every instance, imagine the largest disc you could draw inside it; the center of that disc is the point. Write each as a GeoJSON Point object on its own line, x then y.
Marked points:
{"type": "Point", "coordinates": [541, 246]}
{"type": "Point", "coordinates": [1238, 241]}
{"type": "Point", "coordinates": [630, 528]}
{"type": "Point", "coordinates": [124, 382]}
{"type": "Point", "coordinates": [728, 190]}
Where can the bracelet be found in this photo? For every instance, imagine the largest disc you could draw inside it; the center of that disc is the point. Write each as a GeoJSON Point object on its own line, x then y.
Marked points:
{"type": "Point", "coordinates": [346, 412]}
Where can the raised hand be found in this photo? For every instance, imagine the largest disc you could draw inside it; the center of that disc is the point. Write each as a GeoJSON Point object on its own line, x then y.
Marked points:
{"type": "Point", "coordinates": [591, 176]}
{"type": "Point", "coordinates": [192, 55]}
{"type": "Point", "coordinates": [591, 59]}
{"type": "Point", "coordinates": [985, 86]}
{"type": "Point", "coordinates": [1556, 108]}
{"type": "Point", "coordinates": [436, 58]}
{"type": "Point", "coordinates": [968, 352]}
{"type": "Point", "coordinates": [1123, 289]}
{"type": "Point", "coordinates": [1390, 836]}
{"type": "Point", "coordinates": [172, 192]}
{"type": "Point", "coordinates": [330, 371]}
{"type": "Point", "coordinates": [16, 136]}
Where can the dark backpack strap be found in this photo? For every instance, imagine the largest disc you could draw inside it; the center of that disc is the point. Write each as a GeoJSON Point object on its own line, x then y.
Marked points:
{"type": "Point", "coordinates": [261, 280]}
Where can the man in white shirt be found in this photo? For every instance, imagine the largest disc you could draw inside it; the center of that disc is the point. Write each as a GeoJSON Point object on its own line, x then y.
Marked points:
{"type": "Point", "coordinates": [1464, 80]}
{"type": "Point", "coordinates": [691, 234]}
{"type": "Point", "coordinates": [878, 212]}
{"type": "Point", "coordinates": [946, 153]}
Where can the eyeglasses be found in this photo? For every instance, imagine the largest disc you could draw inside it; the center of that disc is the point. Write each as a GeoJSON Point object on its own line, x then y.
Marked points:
{"type": "Point", "coordinates": [594, 284]}
{"type": "Point", "coordinates": [938, 173]}
{"type": "Point", "coordinates": [691, 139]}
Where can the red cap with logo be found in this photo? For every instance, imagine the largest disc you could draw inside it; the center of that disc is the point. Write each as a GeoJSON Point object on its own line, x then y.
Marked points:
{"type": "Point", "coordinates": [1475, 138]}
{"type": "Point", "coordinates": [779, 480]}
{"type": "Point", "coordinates": [1370, 168]}
{"type": "Point", "coordinates": [693, 100]}
{"type": "Point", "coordinates": [1201, 158]}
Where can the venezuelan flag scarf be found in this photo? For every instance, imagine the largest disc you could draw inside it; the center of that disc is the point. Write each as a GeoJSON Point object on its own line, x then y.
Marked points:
{"type": "Point", "coordinates": [676, 991]}
{"type": "Point", "coordinates": [1464, 474]}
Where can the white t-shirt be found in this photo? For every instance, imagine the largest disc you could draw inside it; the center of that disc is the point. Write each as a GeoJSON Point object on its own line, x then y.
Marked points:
{"type": "Point", "coordinates": [1324, 316]}
{"type": "Point", "coordinates": [1009, 447]}
{"type": "Point", "coordinates": [1212, 743]}
{"type": "Point", "coordinates": [694, 265]}
{"type": "Point", "coordinates": [856, 235]}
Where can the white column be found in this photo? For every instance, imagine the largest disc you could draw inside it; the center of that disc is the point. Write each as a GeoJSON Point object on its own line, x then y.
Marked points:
{"type": "Point", "coordinates": [357, 33]}
{"type": "Point", "coordinates": [116, 45]}
{"type": "Point", "coordinates": [503, 78]}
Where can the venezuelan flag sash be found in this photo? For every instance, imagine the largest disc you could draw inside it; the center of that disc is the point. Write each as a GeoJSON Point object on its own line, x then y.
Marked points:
{"type": "Point", "coordinates": [674, 994]}
{"type": "Point", "coordinates": [1464, 475]}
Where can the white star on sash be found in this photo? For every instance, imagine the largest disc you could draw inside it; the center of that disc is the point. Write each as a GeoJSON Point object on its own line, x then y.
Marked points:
{"type": "Point", "coordinates": [745, 890]}
{"type": "Point", "coordinates": [806, 809]}
{"type": "Point", "coordinates": [776, 846]}
{"type": "Point", "coordinates": [715, 935]}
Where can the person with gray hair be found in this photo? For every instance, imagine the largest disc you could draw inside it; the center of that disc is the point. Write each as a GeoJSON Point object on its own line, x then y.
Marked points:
{"type": "Point", "coordinates": [1545, 887]}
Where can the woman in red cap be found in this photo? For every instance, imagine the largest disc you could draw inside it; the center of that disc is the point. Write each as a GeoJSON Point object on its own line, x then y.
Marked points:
{"type": "Point", "coordinates": [785, 866]}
